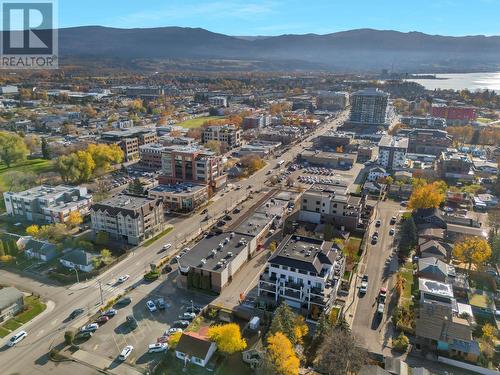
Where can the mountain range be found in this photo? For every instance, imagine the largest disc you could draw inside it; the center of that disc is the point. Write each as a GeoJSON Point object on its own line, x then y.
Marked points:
{"type": "Point", "coordinates": [361, 50]}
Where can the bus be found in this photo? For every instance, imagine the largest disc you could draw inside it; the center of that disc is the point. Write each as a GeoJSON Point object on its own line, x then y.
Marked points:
{"type": "Point", "coordinates": [280, 163]}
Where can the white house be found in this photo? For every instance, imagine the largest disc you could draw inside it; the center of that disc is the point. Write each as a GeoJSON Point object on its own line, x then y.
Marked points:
{"type": "Point", "coordinates": [78, 259]}
{"type": "Point", "coordinates": [376, 173]}
{"type": "Point", "coordinates": [195, 348]}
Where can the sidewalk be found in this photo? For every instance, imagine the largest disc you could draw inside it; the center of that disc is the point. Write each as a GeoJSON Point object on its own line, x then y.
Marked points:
{"type": "Point", "coordinates": [103, 364]}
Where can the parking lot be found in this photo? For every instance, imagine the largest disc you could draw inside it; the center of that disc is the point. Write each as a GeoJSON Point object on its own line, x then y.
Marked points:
{"type": "Point", "coordinates": [111, 337]}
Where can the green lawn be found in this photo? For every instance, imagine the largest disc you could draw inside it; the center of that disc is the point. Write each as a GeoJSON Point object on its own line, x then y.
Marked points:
{"type": "Point", "coordinates": [3, 332]}
{"type": "Point", "coordinates": [484, 120]}
{"type": "Point", "coordinates": [157, 237]}
{"type": "Point", "coordinates": [33, 307]}
{"type": "Point", "coordinates": [12, 325]}
{"type": "Point", "coordinates": [36, 166]}
{"type": "Point", "coordinates": [197, 122]}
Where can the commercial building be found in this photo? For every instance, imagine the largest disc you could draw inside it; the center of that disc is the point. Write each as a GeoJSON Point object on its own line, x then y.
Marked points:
{"type": "Point", "coordinates": [327, 159]}
{"type": "Point", "coordinates": [454, 115]}
{"type": "Point", "coordinates": [455, 165]}
{"type": "Point", "coordinates": [11, 303]}
{"type": "Point", "coordinates": [191, 164]}
{"type": "Point", "coordinates": [392, 151]}
{"type": "Point", "coordinates": [428, 122]}
{"type": "Point", "coordinates": [368, 107]}
{"type": "Point", "coordinates": [228, 134]}
{"type": "Point", "coordinates": [331, 101]}
{"type": "Point", "coordinates": [305, 273]}
{"type": "Point", "coordinates": [256, 121]}
{"type": "Point", "coordinates": [130, 139]}
{"type": "Point", "coordinates": [218, 101]}
{"type": "Point", "coordinates": [332, 140]}
{"type": "Point", "coordinates": [282, 133]}
{"type": "Point", "coordinates": [48, 204]}
{"type": "Point", "coordinates": [151, 156]}
{"type": "Point", "coordinates": [129, 218]}
{"type": "Point", "coordinates": [428, 141]}
{"type": "Point", "coordinates": [184, 197]}
{"type": "Point", "coordinates": [258, 147]}
{"type": "Point", "coordinates": [332, 205]}
{"type": "Point", "coordinates": [144, 91]}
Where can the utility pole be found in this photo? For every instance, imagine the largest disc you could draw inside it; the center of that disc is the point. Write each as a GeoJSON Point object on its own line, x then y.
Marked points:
{"type": "Point", "coordinates": [100, 290]}
{"type": "Point", "coordinates": [77, 279]}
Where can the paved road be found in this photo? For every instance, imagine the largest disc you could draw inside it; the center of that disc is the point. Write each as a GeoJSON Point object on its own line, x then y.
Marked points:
{"type": "Point", "coordinates": [379, 264]}
{"type": "Point", "coordinates": [30, 356]}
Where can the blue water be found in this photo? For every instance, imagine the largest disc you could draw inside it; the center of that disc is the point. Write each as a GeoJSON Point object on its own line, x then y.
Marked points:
{"type": "Point", "coordinates": [470, 81]}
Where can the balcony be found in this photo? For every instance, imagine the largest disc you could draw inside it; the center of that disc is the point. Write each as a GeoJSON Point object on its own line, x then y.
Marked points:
{"type": "Point", "coordinates": [289, 293]}
{"type": "Point", "coordinates": [267, 287]}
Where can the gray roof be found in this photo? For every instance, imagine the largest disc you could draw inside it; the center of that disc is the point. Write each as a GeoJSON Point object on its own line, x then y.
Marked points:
{"type": "Point", "coordinates": [127, 204]}
{"type": "Point", "coordinates": [432, 268]}
{"type": "Point", "coordinates": [78, 256]}
{"type": "Point", "coordinates": [8, 296]}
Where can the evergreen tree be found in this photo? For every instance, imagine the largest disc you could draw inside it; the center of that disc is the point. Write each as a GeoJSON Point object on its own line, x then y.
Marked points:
{"type": "Point", "coordinates": [2, 250]}
{"type": "Point", "coordinates": [45, 149]}
{"type": "Point", "coordinates": [408, 236]}
{"type": "Point", "coordinates": [283, 321]}
{"type": "Point", "coordinates": [135, 187]}
{"type": "Point", "coordinates": [6, 246]}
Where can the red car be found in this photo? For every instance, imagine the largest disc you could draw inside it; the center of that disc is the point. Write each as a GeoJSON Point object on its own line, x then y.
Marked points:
{"type": "Point", "coordinates": [102, 319]}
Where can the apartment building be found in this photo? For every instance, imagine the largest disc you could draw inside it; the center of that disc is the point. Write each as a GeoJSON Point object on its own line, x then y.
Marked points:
{"type": "Point", "coordinates": [130, 139]}
{"type": "Point", "coordinates": [218, 101]}
{"type": "Point", "coordinates": [331, 100]}
{"type": "Point", "coordinates": [368, 107]}
{"type": "Point", "coordinates": [144, 91]}
{"type": "Point", "coordinates": [455, 165]}
{"type": "Point", "coordinates": [454, 115]}
{"type": "Point", "coordinates": [428, 141]}
{"type": "Point", "coordinates": [47, 204]}
{"type": "Point", "coordinates": [191, 164]}
{"type": "Point", "coordinates": [129, 218]}
{"type": "Point", "coordinates": [331, 205]}
{"type": "Point", "coordinates": [228, 134]}
{"type": "Point", "coordinates": [256, 121]}
{"type": "Point", "coordinates": [392, 151]}
{"type": "Point", "coordinates": [305, 273]}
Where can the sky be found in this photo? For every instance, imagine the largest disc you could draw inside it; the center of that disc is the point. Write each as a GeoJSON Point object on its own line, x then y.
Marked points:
{"type": "Point", "coordinates": [275, 17]}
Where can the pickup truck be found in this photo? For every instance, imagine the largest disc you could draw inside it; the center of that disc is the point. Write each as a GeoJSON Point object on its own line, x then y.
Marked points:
{"type": "Point", "coordinates": [382, 296]}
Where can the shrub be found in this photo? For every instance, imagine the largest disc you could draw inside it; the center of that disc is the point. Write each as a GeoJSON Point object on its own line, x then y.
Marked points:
{"type": "Point", "coordinates": [151, 276]}
{"type": "Point", "coordinates": [69, 337]}
{"type": "Point", "coordinates": [401, 342]}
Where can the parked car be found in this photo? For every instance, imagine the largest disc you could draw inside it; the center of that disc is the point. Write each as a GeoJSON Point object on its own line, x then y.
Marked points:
{"type": "Point", "coordinates": [393, 220]}
{"type": "Point", "coordinates": [364, 284]}
{"type": "Point", "coordinates": [205, 211]}
{"type": "Point", "coordinates": [125, 352]}
{"type": "Point", "coordinates": [84, 335]}
{"type": "Point", "coordinates": [151, 306]}
{"type": "Point", "coordinates": [378, 223]}
{"type": "Point", "coordinates": [181, 323]}
{"type": "Point", "coordinates": [221, 223]}
{"type": "Point", "coordinates": [16, 338]}
{"type": "Point", "coordinates": [92, 327]}
{"type": "Point", "coordinates": [123, 301]}
{"type": "Point", "coordinates": [382, 295]}
{"type": "Point", "coordinates": [392, 231]}
{"type": "Point", "coordinates": [160, 302]}
{"type": "Point", "coordinates": [123, 278]}
{"type": "Point", "coordinates": [194, 309]}
{"type": "Point", "coordinates": [167, 246]}
{"type": "Point", "coordinates": [75, 313]}
{"type": "Point", "coordinates": [131, 321]}
{"type": "Point", "coordinates": [102, 319]}
{"type": "Point", "coordinates": [157, 348]}
{"type": "Point", "coordinates": [110, 313]}
{"type": "Point", "coordinates": [173, 330]}
{"type": "Point", "coordinates": [187, 316]}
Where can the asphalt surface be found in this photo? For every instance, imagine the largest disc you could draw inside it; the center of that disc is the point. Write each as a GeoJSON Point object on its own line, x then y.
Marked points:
{"type": "Point", "coordinates": [31, 355]}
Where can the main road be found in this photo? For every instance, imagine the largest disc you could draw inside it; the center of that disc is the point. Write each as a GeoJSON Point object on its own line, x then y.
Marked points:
{"type": "Point", "coordinates": [31, 355]}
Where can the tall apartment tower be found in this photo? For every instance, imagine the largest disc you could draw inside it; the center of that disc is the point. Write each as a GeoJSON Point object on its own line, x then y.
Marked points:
{"type": "Point", "coordinates": [369, 107]}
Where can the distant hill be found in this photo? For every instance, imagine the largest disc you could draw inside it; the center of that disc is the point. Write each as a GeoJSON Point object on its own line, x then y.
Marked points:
{"type": "Point", "coordinates": [355, 50]}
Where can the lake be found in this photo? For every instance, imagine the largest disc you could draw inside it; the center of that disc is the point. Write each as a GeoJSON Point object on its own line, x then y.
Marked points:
{"type": "Point", "coordinates": [470, 81]}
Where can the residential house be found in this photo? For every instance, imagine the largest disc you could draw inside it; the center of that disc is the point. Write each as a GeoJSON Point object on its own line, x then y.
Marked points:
{"type": "Point", "coordinates": [377, 173]}
{"type": "Point", "coordinates": [434, 249]}
{"type": "Point", "coordinates": [79, 259]}
{"type": "Point", "coordinates": [429, 218]}
{"type": "Point", "coordinates": [11, 303]}
{"type": "Point", "coordinates": [432, 268]}
{"type": "Point", "coordinates": [195, 348]}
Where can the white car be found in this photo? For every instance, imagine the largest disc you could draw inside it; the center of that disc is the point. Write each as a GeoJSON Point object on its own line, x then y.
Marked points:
{"type": "Point", "coordinates": [188, 316]}
{"type": "Point", "coordinates": [157, 348]}
{"type": "Point", "coordinates": [16, 338]}
{"type": "Point", "coordinates": [171, 331]}
{"type": "Point", "coordinates": [90, 327]}
{"type": "Point", "coordinates": [167, 246]}
{"type": "Point", "coordinates": [126, 352]}
{"type": "Point", "coordinates": [151, 306]}
{"type": "Point", "coordinates": [123, 278]}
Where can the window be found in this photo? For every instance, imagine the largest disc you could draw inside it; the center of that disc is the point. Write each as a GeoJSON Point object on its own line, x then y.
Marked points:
{"type": "Point", "coordinates": [317, 202]}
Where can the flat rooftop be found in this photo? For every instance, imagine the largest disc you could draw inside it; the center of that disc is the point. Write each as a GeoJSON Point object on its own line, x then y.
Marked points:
{"type": "Point", "coordinates": [394, 142]}
{"type": "Point", "coordinates": [254, 224]}
{"type": "Point", "coordinates": [129, 132]}
{"type": "Point", "coordinates": [130, 202]}
{"type": "Point", "coordinates": [212, 253]}
{"type": "Point", "coordinates": [435, 287]}
{"type": "Point", "coordinates": [178, 188]}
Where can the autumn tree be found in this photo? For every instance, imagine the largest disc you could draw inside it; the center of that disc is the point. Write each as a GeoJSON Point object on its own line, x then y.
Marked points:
{"type": "Point", "coordinates": [173, 340]}
{"type": "Point", "coordinates": [338, 354]}
{"type": "Point", "coordinates": [33, 230]}
{"type": "Point", "coordinates": [427, 196]}
{"type": "Point", "coordinates": [489, 333]}
{"type": "Point", "coordinates": [472, 250]}
{"type": "Point", "coordinates": [17, 181]}
{"type": "Point", "coordinates": [12, 148]}
{"type": "Point", "coordinates": [289, 323]}
{"type": "Point", "coordinates": [105, 155]}
{"type": "Point", "coordinates": [74, 219]}
{"type": "Point", "coordinates": [106, 255]}
{"type": "Point", "coordinates": [281, 355]}
{"type": "Point", "coordinates": [251, 163]}
{"type": "Point", "coordinates": [214, 146]}
{"type": "Point", "coordinates": [32, 142]}
{"type": "Point", "coordinates": [227, 337]}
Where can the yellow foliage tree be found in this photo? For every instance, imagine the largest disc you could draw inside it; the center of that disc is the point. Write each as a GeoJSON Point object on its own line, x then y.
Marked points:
{"type": "Point", "coordinates": [173, 340]}
{"type": "Point", "coordinates": [33, 230]}
{"type": "Point", "coordinates": [74, 219]}
{"type": "Point", "coordinates": [227, 337]}
{"type": "Point", "coordinates": [282, 355]}
{"type": "Point", "coordinates": [473, 250]}
{"type": "Point", "coordinates": [427, 196]}
{"type": "Point", "coordinates": [300, 329]}
{"type": "Point", "coordinates": [489, 333]}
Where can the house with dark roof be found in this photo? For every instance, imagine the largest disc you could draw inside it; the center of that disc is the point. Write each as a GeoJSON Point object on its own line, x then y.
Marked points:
{"type": "Point", "coordinates": [429, 218]}
{"type": "Point", "coordinates": [129, 218]}
{"type": "Point", "coordinates": [435, 269]}
{"type": "Point", "coordinates": [434, 249]}
{"type": "Point", "coordinates": [305, 273]}
{"type": "Point", "coordinates": [31, 247]}
{"type": "Point", "coordinates": [195, 348]}
{"type": "Point", "coordinates": [79, 259]}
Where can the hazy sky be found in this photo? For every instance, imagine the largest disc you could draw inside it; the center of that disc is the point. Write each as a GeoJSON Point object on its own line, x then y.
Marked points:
{"type": "Point", "coordinates": [273, 17]}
